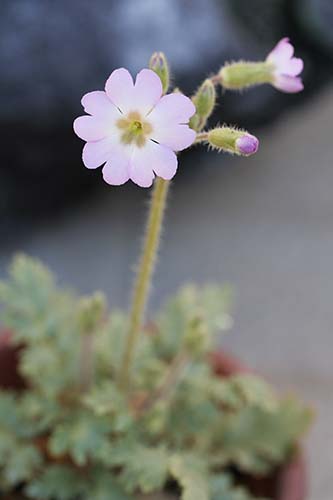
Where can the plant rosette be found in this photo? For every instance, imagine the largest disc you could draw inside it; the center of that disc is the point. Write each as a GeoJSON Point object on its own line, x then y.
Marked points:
{"type": "Point", "coordinates": [187, 410]}
{"type": "Point", "coordinates": [288, 482]}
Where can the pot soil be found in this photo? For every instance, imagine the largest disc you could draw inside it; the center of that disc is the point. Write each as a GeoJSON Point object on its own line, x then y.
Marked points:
{"type": "Point", "coordinates": [289, 482]}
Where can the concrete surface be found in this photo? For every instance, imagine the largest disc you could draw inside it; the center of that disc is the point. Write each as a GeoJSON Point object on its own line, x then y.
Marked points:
{"type": "Point", "coordinates": [264, 224]}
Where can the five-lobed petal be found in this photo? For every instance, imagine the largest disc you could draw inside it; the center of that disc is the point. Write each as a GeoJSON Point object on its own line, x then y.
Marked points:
{"type": "Point", "coordinates": [155, 126]}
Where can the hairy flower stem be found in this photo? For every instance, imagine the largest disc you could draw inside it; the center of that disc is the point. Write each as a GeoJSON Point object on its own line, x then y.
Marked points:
{"type": "Point", "coordinates": [144, 275]}
{"type": "Point", "coordinates": [201, 137]}
{"type": "Point", "coordinates": [215, 79]}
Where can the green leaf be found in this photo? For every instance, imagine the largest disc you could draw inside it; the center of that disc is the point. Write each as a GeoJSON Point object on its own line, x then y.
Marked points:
{"type": "Point", "coordinates": [106, 399]}
{"type": "Point", "coordinates": [57, 482]}
{"type": "Point", "coordinates": [239, 391]}
{"type": "Point", "coordinates": [7, 445]}
{"type": "Point", "coordinates": [9, 417]}
{"type": "Point", "coordinates": [109, 344]}
{"type": "Point", "coordinates": [22, 464]}
{"type": "Point", "coordinates": [256, 440]}
{"type": "Point", "coordinates": [80, 437]}
{"type": "Point", "coordinates": [41, 412]}
{"type": "Point", "coordinates": [31, 280]}
{"type": "Point", "coordinates": [50, 369]}
{"type": "Point", "coordinates": [207, 308]}
{"type": "Point", "coordinates": [191, 475]}
{"type": "Point", "coordinates": [105, 487]}
{"type": "Point", "coordinates": [144, 469]}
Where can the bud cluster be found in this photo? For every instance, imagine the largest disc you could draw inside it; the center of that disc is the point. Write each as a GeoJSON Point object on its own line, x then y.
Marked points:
{"type": "Point", "coordinates": [280, 69]}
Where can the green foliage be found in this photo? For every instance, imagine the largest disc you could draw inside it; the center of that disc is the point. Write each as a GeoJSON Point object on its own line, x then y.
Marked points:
{"type": "Point", "coordinates": [244, 390]}
{"type": "Point", "coordinates": [75, 434]}
{"type": "Point", "coordinates": [254, 438]}
{"type": "Point", "coordinates": [192, 317]}
{"type": "Point", "coordinates": [64, 483]}
{"type": "Point", "coordinates": [56, 481]}
{"type": "Point", "coordinates": [79, 436]}
{"type": "Point", "coordinates": [191, 474]}
{"type": "Point", "coordinates": [146, 468]}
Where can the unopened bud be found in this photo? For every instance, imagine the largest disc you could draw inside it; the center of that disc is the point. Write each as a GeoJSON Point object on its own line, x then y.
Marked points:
{"type": "Point", "coordinates": [91, 311]}
{"type": "Point", "coordinates": [233, 141]}
{"type": "Point", "coordinates": [197, 339]}
{"type": "Point", "coordinates": [247, 145]}
{"type": "Point", "coordinates": [204, 101]}
{"type": "Point", "coordinates": [159, 64]}
{"type": "Point", "coordinates": [240, 75]}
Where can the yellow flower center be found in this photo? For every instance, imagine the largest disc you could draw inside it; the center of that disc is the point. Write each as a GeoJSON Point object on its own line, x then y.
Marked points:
{"type": "Point", "coordinates": [134, 129]}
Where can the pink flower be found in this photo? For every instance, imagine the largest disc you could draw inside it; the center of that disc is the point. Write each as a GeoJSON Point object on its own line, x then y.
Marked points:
{"type": "Point", "coordinates": [133, 129]}
{"type": "Point", "coordinates": [286, 67]}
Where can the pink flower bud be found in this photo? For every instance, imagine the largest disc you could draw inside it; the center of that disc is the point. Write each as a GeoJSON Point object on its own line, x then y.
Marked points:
{"type": "Point", "coordinates": [247, 145]}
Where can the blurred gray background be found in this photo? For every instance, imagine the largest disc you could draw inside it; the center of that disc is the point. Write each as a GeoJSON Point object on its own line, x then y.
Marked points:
{"type": "Point", "coordinates": [264, 224]}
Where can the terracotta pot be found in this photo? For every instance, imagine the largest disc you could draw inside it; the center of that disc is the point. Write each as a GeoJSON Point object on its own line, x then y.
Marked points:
{"type": "Point", "coordinates": [288, 483]}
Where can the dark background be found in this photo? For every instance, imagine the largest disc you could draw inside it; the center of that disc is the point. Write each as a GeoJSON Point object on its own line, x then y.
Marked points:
{"type": "Point", "coordinates": [263, 224]}
{"type": "Point", "coordinates": [52, 52]}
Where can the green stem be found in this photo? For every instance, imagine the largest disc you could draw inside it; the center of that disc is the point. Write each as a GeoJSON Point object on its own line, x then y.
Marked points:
{"type": "Point", "coordinates": [215, 79]}
{"type": "Point", "coordinates": [86, 361]}
{"type": "Point", "coordinates": [144, 275]}
{"type": "Point", "coordinates": [170, 382]}
{"type": "Point", "coordinates": [201, 137]}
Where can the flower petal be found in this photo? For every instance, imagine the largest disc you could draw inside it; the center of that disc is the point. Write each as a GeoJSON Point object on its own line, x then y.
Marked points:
{"type": "Point", "coordinates": [289, 84]}
{"type": "Point", "coordinates": [172, 109]}
{"type": "Point", "coordinates": [147, 91]}
{"type": "Point", "coordinates": [290, 67]}
{"type": "Point", "coordinates": [141, 170]}
{"type": "Point", "coordinates": [97, 103]}
{"type": "Point", "coordinates": [281, 52]}
{"type": "Point", "coordinates": [116, 169]}
{"type": "Point", "coordinates": [175, 137]}
{"type": "Point", "coordinates": [162, 159]}
{"type": "Point", "coordinates": [293, 67]}
{"type": "Point", "coordinates": [119, 89]}
{"type": "Point", "coordinates": [90, 128]}
{"type": "Point", "coordinates": [168, 120]}
{"type": "Point", "coordinates": [96, 153]}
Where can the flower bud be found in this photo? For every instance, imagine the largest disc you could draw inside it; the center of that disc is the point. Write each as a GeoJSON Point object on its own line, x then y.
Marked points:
{"type": "Point", "coordinates": [247, 145]}
{"type": "Point", "coordinates": [240, 75]}
{"type": "Point", "coordinates": [197, 339]}
{"type": "Point", "coordinates": [91, 311]}
{"type": "Point", "coordinates": [204, 101]}
{"type": "Point", "coordinates": [233, 141]}
{"type": "Point", "coordinates": [159, 64]}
